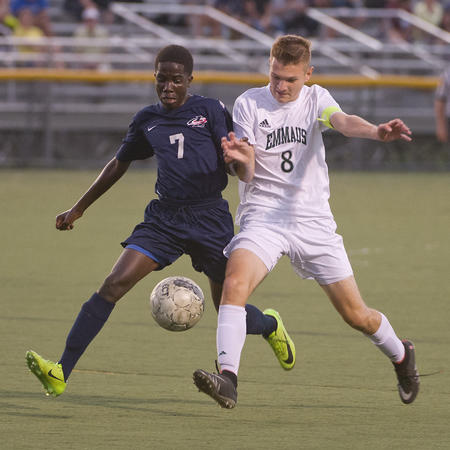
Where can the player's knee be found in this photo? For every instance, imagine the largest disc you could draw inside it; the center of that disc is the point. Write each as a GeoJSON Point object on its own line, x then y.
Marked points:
{"type": "Point", "coordinates": [235, 289]}
{"type": "Point", "coordinates": [114, 287]}
{"type": "Point", "coordinates": [359, 320]}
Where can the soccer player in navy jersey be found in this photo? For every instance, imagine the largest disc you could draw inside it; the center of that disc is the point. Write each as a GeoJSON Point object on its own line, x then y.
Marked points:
{"type": "Point", "coordinates": [190, 216]}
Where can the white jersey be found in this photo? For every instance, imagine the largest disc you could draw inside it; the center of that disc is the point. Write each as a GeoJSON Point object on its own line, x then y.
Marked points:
{"type": "Point", "coordinates": [291, 175]}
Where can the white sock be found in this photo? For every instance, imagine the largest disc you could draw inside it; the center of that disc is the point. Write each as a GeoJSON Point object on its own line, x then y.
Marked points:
{"type": "Point", "coordinates": [231, 332]}
{"type": "Point", "coordinates": [387, 341]}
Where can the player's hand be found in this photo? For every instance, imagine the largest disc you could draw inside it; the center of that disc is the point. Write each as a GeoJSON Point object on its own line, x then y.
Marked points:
{"type": "Point", "coordinates": [393, 130]}
{"type": "Point", "coordinates": [65, 220]}
{"type": "Point", "coordinates": [236, 150]}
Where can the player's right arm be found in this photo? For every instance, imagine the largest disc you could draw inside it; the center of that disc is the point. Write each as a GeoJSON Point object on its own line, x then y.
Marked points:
{"type": "Point", "coordinates": [110, 174]}
{"type": "Point", "coordinates": [239, 148]}
{"type": "Point", "coordinates": [240, 156]}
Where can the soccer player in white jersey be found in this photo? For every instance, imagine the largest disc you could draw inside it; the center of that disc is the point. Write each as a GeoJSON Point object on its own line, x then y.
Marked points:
{"type": "Point", "coordinates": [284, 210]}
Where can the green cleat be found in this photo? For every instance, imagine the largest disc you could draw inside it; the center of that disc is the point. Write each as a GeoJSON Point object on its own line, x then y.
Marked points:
{"type": "Point", "coordinates": [281, 343]}
{"type": "Point", "coordinates": [50, 374]}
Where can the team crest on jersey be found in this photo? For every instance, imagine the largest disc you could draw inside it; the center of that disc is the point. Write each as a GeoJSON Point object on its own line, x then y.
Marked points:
{"type": "Point", "coordinates": [198, 121]}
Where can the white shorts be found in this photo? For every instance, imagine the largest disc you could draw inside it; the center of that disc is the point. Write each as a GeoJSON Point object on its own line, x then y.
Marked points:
{"type": "Point", "coordinates": [315, 249]}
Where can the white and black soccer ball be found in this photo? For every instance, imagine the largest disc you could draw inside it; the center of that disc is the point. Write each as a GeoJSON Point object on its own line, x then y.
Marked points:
{"type": "Point", "coordinates": [177, 303]}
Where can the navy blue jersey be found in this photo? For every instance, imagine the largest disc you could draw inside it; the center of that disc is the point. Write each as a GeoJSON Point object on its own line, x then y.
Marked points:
{"type": "Point", "coordinates": [186, 142]}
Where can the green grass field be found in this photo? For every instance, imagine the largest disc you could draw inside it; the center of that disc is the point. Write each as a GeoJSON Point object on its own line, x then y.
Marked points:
{"type": "Point", "coordinates": [133, 388]}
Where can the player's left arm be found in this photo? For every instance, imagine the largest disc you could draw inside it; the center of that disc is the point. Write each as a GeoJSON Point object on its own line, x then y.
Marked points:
{"type": "Point", "coordinates": [239, 154]}
{"type": "Point", "coordinates": [355, 126]}
{"type": "Point", "coordinates": [442, 131]}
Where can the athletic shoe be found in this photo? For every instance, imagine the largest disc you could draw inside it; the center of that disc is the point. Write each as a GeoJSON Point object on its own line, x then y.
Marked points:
{"type": "Point", "coordinates": [217, 386]}
{"type": "Point", "coordinates": [281, 343]}
{"type": "Point", "coordinates": [407, 374]}
{"type": "Point", "coordinates": [50, 374]}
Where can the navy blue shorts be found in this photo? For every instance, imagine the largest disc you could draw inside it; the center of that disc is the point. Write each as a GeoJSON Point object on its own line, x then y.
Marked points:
{"type": "Point", "coordinates": [200, 231]}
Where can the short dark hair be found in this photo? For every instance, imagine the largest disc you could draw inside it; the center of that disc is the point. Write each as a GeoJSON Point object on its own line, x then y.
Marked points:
{"type": "Point", "coordinates": [176, 54]}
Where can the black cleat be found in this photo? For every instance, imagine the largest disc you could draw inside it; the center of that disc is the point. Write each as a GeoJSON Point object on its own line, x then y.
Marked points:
{"type": "Point", "coordinates": [407, 374]}
{"type": "Point", "coordinates": [217, 386]}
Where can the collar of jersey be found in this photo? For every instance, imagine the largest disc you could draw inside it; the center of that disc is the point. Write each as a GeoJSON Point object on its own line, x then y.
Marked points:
{"type": "Point", "coordinates": [287, 105]}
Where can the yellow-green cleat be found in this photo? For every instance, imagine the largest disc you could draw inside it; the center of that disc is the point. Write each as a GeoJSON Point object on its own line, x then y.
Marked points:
{"type": "Point", "coordinates": [50, 374]}
{"type": "Point", "coordinates": [281, 343]}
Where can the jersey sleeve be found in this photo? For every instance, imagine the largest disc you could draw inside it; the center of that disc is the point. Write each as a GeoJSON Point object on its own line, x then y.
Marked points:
{"type": "Point", "coordinates": [134, 145]}
{"type": "Point", "coordinates": [326, 107]}
{"type": "Point", "coordinates": [242, 120]}
{"type": "Point", "coordinates": [221, 124]}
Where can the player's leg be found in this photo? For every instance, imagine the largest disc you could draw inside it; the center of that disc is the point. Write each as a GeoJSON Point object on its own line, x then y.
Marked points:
{"type": "Point", "coordinates": [215, 229]}
{"type": "Point", "coordinates": [244, 272]}
{"type": "Point", "coordinates": [216, 292]}
{"type": "Point", "coordinates": [268, 324]}
{"type": "Point", "coordinates": [152, 245]}
{"type": "Point", "coordinates": [249, 263]}
{"type": "Point", "coordinates": [266, 243]}
{"type": "Point", "coordinates": [319, 253]}
{"type": "Point", "coordinates": [347, 300]}
{"type": "Point", "coordinates": [257, 322]}
{"type": "Point", "coordinates": [131, 267]}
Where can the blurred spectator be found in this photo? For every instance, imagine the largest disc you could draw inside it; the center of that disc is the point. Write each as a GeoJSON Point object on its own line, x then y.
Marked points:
{"type": "Point", "coordinates": [76, 7]}
{"type": "Point", "coordinates": [289, 16]}
{"type": "Point", "coordinates": [7, 20]}
{"type": "Point", "coordinates": [253, 12]}
{"type": "Point", "coordinates": [396, 29]}
{"type": "Point", "coordinates": [39, 11]}
{"type": "Point", "coordinates": [230, 7]}
{"type": "Point", "coordinates": [28, 30]}
{"type": "Point", "coordinates": [355, 22]}
{"type": "Point", "coordinates": [431, 11]}
{"type": "Point", "coordinates": [375, 3]}
{"type": "Point", "coordinates": [442, 107]}
{"type": "Point", "coordinates": [106, 15]}
{"type": "Point", "coordinates": [321, 4]}
{"type": "Point", "coordinates": [346, 3]}
{"type": "Point", "coordinates": [205, 26]}
{"type": "Point", "coordinates": [445, 23]}
{"type": "Point", "coordinates": [90, 28]}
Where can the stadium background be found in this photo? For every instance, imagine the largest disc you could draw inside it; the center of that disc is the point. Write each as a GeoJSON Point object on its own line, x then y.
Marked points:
{"type": "Point", "coordinates": [68, 101]}
{"type": "Point", "coordinates": [133, 389]}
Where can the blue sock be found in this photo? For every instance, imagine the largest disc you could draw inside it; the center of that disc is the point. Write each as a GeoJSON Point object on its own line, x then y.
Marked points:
{"type": "Point", "coordinates": [93, 315]}
{"type": "Point", "coordinates": [258, 322]}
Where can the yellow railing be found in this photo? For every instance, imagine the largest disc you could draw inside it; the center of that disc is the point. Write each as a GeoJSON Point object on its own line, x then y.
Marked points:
{"type": "Point", "coordinates": [210, 77]}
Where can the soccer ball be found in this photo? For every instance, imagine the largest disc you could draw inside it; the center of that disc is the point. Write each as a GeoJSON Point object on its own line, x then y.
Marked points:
{"type": "Point", "coordinates": [177, 303]}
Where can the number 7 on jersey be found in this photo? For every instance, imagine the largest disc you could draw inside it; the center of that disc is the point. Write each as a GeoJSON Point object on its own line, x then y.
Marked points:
{"type": "Point", "coordinates": [180, 138]}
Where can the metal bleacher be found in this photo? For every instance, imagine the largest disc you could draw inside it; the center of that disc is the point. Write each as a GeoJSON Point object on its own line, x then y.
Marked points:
{"type": "Point", "coordinates": [138, 33]}
{"type": "Point", "coordinates": [91, 116]}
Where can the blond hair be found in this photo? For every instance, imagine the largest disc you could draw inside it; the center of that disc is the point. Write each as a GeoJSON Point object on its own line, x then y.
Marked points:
{"type": "Point", "coordinates": [291, 49]}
